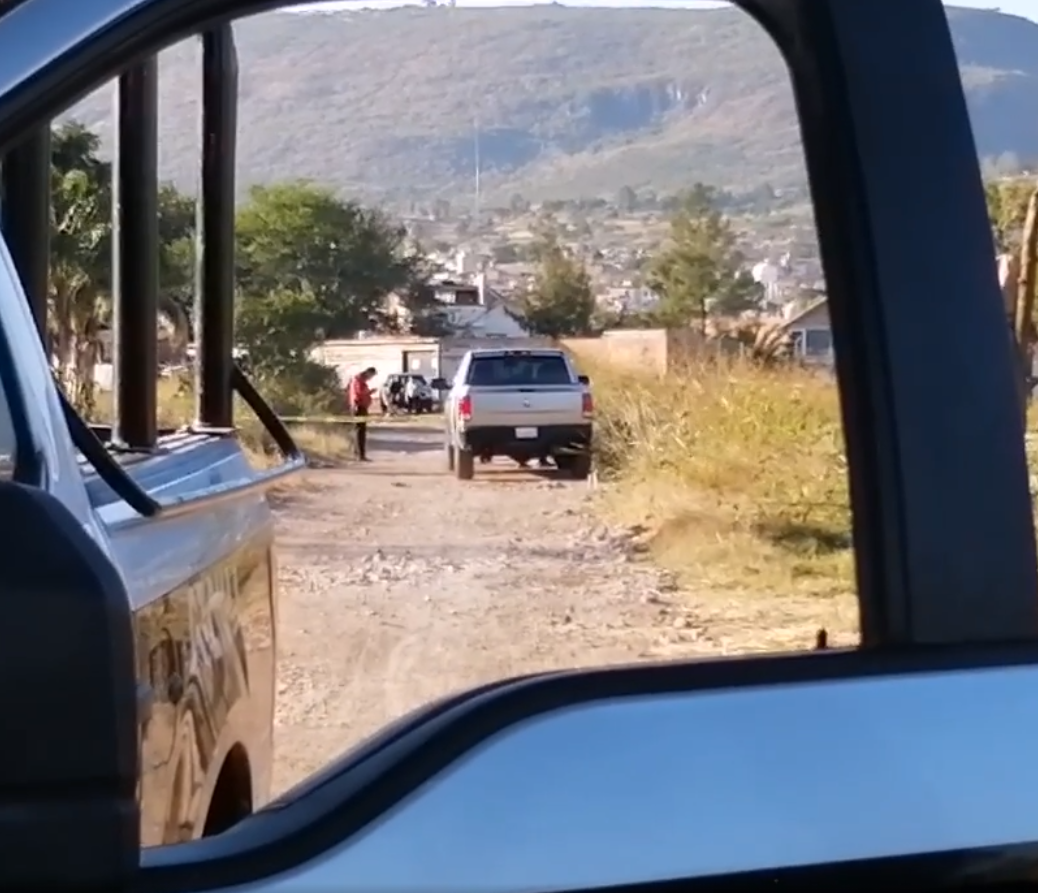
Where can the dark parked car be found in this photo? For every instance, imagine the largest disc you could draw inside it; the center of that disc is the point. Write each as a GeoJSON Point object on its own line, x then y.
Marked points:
{"type": "Point", "coordinates": [407, 392]}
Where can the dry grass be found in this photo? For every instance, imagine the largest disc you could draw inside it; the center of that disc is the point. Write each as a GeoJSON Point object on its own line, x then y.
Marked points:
{"type": "Point", "coordinates": [737, 477]}
{"type": "Point", "coordinates": [324, 441]}
{"type": "Point", "coordinates": [175, 404]}
{"type": "Point", "coordinates": [324, 444]}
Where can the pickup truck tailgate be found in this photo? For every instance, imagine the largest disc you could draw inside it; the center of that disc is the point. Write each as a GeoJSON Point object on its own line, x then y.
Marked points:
{"type": "Point", "coordinates": [535, 407]}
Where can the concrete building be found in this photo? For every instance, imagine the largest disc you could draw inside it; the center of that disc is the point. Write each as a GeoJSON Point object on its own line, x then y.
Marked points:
{"type": "Point", "coordinates": [431, 357]}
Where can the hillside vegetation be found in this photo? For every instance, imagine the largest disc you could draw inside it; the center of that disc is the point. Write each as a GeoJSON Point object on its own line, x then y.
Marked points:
{"type": "Point", "coordinates": [569, 102]}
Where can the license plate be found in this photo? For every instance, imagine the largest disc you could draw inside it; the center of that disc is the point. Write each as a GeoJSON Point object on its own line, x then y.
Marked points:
{"type": "Point", "coordinates": [525, 433]}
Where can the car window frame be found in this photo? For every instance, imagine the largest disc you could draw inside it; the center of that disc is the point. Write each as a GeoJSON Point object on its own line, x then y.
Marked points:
{"type": "Point", "coordinates": [943, 530]}
{"type": "Point", "coordinates": [29, 432]}
{"type": "Point", "coordinates": [926, 442]}
{"type": "Point", "coordinates": [343, 800]}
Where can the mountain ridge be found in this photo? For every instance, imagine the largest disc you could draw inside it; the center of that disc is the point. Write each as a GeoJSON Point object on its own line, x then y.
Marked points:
{"type": "Point", "coordinates": [566, 102]}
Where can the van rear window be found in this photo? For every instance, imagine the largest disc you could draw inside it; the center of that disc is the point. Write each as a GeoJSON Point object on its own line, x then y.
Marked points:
{"type": "Point", "coordinates": [519, 370]}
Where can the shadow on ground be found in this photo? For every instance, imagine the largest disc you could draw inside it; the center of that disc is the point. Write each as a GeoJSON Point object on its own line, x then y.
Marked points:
{"type": "Point", "coordinates": [804, 538]}
{"type": "Point", "coordinates": [410, 440]}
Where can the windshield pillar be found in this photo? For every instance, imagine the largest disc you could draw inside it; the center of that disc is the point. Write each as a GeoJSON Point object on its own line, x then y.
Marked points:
{"type": "Point", "coordinates": [943, 526]}
{"type": "Point", "coordinates": [25, 218]}
{"type": "Point", "coordinates": [214, 287]}
{"type": "Point", "coordinates": [135, 259]}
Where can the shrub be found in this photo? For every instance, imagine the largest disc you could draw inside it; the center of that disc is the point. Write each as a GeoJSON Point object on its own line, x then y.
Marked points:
{"type": "Point", "coordinates": [313, 391]}
{"type": "Point", "coordinates": [305, 389]}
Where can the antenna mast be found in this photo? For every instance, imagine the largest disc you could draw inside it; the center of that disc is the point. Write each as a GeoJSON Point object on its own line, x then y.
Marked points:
{"type": "Point", "coordinates": [476, 207]}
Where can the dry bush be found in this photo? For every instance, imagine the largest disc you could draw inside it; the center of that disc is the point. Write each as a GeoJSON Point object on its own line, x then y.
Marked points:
{"type": "Point", "coordinates": [1031, 446]}
{"type": "Point", "coordinates": [738, 475]}
{"type": "Point", "coordinates": [324, 443]}
{"type": "Point", "coordinates": [761, 341]}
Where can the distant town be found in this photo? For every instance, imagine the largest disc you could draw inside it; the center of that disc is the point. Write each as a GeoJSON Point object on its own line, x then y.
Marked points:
{"type": "Point", "coordinates": [613, 242]}
{"type": "Point", "coordinates": [483, 268]}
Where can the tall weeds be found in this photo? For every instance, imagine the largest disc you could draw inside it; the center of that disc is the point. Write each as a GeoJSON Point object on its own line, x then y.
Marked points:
{"type": "Point", "coordinates": [728, 461]}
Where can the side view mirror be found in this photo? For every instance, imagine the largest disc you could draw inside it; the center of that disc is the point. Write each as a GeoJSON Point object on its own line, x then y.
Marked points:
{"type": "Point", "coordinates": [583, 379]}
{"type": "Point", "coordinates": [69, 817]}
{"type": "Point", "coordinates": [744, 775]}
{"type": "Point", "coordinates": [439, 384]}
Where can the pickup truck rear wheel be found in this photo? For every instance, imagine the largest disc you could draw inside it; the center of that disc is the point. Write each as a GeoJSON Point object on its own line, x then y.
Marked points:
{"type": "Point", "coordinates": [577, 467]}
{"type": "Point", "coordinates": [465, 465]}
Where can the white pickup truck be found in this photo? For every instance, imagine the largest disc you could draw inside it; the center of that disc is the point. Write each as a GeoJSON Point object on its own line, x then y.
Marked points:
{"type": "Point", "coordinates": [524, 404]}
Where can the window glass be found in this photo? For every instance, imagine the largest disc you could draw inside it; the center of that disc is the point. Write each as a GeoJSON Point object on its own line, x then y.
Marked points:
{"type": "Point", "coordinates": [996, 52]}
{"type": "Point", "coordinates": [8, 447]}
{"type": "Point", "coordinates": [817, 342]}
{"type": "Point", "coordinates": [624, 182]}
{"type": "Point", "coordinates": [8, 438]}
{"type": "Point", "coordinates": [517, 370]}
{"type": "Point", "coordinates": [627, 182]}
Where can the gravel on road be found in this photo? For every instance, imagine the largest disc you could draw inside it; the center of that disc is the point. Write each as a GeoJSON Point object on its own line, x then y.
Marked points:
{"type": "Point", "coordinates": [400, 584]}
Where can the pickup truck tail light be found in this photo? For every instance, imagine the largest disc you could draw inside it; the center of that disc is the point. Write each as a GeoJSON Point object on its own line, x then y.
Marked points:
{"type": "Point", "coordinates": [465, 408]}
{"type": "Point", "coordinates": [587, 405]}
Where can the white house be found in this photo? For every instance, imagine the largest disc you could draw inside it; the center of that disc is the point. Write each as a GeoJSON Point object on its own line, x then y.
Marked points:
{"type": "Point", "coordinates": [481, 321]}
{"type": "Point", "coordinates": [811, 333]}
{"type": "Point", "coordinates": [472, 309]}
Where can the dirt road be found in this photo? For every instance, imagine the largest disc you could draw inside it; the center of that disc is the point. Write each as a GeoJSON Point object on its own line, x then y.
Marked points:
{"type": "Point", "coordinates": [400, 584]}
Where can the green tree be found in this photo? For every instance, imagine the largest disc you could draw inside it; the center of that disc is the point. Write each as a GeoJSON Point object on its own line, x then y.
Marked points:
{"type": "Point", "coordinates": [311, 266]}
{"type": "Point", "coordinates": [81, 258]}
{"type": "Point", "coordinates": [1007, 208]}
{"type": "Point", "coordinates": [700, 270]}
{"type": "Point", "coordinates": [622, 318]}
{"type": "Point", "coordinates": [301, 238]}
{"type": "Point", "coordinates": [560, 300]}
{"type": "Point", "coordinates": [275, 328]}
{"type": "Point", "coordinates": [176, 263]}
{"type": "Point", "coordinates": [81, 251]}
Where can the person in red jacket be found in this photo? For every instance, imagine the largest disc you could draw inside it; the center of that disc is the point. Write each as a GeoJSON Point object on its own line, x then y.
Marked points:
{"type": "Point", "coordinates": [359, 397]}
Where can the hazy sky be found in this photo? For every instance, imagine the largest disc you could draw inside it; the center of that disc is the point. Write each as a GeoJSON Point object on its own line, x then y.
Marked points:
{"type": "Point", "coordinates": [1026, 8]}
